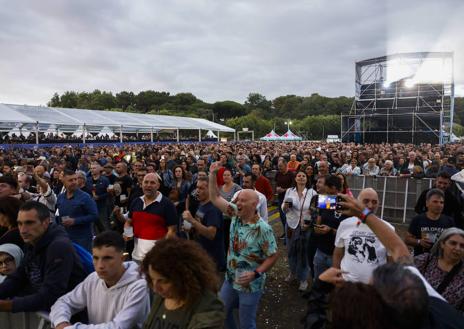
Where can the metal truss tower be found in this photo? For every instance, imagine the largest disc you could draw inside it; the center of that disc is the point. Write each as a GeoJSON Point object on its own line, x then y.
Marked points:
{"type": "Point", "coordinates": [406, 98]}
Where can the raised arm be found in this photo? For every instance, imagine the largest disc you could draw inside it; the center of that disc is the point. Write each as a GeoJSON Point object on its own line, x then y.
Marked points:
{"type": "Point", "coordinates": [218, 201]}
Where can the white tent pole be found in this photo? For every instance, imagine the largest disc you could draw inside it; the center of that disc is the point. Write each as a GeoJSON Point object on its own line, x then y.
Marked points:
{"type": "Point", "coordinates": [199, 135]}
{"type": "Point", "coordinates": [219, 138]}
{"type": "Point", "coordinates": [120, 133]}
{"type": "Point", "coordinates": [151, 134]}
{"type": "Point", "coordinates": [83, 133]}
{"type": "Point", "coordinates": [37, 133]}
{"type": "Point", "coordinates": [253, 135]}
{"type": "Point", "coordinates": [178, 136]}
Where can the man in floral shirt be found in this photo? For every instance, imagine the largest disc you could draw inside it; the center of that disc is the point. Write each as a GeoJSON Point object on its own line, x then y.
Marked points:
{"type": "Point", "coordinates": [252, 252]}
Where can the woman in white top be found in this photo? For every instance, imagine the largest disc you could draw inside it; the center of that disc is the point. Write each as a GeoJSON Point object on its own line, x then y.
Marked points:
{"type": "Point", "coordinates": [296, 205]}
{"type": "Point", "coordinates": [350, 169]}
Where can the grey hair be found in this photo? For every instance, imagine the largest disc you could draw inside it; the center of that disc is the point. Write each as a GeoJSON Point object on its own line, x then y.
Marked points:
{"type": "Point", "coordinates": [81, 174]}
{"type": "Point", "coordinates": [434, 191]}
{"type": "Point", "coordinates": [404, 293]}
{"type": "Point", "coordinates": [445, 235]}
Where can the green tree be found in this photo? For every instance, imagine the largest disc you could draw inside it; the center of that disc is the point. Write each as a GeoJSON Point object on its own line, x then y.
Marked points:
{"type": "Point", "coordinates": [69, 99]}
{"type": "Point", "coordinates": [256, 100]}
{"type": "Point", "coordinates": [101, 100]}
{"type": "Point", "coordinates": [228, 109]}
{"type": "Point", "coordinates": [84, 100]}
{"type": "Point", "coordinates": [458, 130]}
{"type": "Point", "coordinates": [184, 99]}
{"type": "Point", "coordinates": [145, 100]}
{"type": "Point", "coordinates": [287, 106]}
{"type": "Point", "coordinates": [317, 127]}
{"type": "Point", "coordinates": [55, 101]}
{"type": "Point", "coordinates": [124, 99]}
{"type": "Point", "coordinates": [252, 122]}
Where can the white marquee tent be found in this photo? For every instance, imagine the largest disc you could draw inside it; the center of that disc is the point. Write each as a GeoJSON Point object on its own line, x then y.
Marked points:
{"type": "Point", "coordinates": [290, 136]}
{"type": "Point", "coordinates": [271, 136]}
{"type": "Point", "coordinates": [18, 131]}
{"type": "Point", "coordinates": [43, 118]}
{"type": "Point", "coordinates": [210, 134]}
{"type": "Point", "coordinates": [106, 132]}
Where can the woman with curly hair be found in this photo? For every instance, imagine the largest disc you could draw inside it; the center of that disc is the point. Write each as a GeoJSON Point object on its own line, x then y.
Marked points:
{"type": "Point", "coordinates": [185, 289]}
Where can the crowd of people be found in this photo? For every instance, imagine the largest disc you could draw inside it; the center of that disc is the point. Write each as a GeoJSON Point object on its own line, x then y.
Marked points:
{"type": "Point", "coordinates": [178, 235]}
{"type": "Point", "coordinates": [75, 138]}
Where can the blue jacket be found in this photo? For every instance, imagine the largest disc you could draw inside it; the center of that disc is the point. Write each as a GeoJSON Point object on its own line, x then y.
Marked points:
{"type": "Point", "coordinates": [83, 209]}
{"type": "Point", "coordinates": [49, 269]}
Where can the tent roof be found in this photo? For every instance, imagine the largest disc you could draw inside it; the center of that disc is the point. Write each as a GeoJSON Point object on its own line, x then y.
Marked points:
{"type": "Point", "coordinates": [70, 119]}
{"type": "Point", "coordinates": [289, 135]}
{"type": "Point", "coordinates": [271, 136]}
{"type": "Point", "coordinates": [10, 115]}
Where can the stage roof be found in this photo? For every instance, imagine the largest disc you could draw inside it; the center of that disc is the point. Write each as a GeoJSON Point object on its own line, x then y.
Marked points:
{"type": "Point", "coordinates": [68, 120]}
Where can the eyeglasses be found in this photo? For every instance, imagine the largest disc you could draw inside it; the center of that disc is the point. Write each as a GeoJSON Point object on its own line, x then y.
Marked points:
{"type": "Point", "coordinates": [6, 261]}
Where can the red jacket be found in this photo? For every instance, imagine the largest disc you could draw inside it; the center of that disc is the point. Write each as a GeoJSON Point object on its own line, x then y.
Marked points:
{"type": "Point", "coordinates": [264, 186]}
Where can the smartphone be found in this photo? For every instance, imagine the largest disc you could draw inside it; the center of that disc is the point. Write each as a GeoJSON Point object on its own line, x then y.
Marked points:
{"type": "Point", "coordinates": [328, 202]}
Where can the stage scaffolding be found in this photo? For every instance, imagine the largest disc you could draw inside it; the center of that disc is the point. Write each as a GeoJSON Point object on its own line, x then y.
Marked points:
{"type": "Point", "coordinates": [406, 98]}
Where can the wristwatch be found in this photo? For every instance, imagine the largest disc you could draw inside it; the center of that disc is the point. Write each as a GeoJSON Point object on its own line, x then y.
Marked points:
{"type": "Point", "coordinates": [257, 274]}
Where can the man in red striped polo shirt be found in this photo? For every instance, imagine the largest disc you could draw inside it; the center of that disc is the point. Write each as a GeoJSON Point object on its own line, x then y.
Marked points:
{"type": "Point", "coordinates": [153, 217]}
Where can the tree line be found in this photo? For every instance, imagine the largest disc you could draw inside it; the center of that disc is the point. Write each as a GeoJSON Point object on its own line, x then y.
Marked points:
{"type": "Point", "coordinates": [313, 117]}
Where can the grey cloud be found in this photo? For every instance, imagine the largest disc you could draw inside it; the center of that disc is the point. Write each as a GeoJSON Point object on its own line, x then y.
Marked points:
{"type": "Point", "coordinates": [215, 49]}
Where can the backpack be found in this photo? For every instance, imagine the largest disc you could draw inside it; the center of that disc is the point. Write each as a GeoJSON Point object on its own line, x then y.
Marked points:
{"type": "Point", "coordinates": [85, 257]}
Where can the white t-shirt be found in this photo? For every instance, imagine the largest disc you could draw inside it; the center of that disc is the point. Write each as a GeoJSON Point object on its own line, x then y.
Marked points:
{"type": "Point", "coordinates": [293, 213]}
{"type": "Point", "coordinates": [363, 250]}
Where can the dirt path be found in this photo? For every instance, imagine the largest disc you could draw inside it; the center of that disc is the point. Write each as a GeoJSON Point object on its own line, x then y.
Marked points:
{"type": "Point", "coordinates": [281, 305]}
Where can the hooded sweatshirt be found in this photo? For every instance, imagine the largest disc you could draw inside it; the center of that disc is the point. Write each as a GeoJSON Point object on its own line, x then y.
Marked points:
{"type": "Point", "coordinates": [50, 268]}
{"type": "Point", "coordinates": [123, 306]}
{"type": "Point", "coordinates": [14, 251]}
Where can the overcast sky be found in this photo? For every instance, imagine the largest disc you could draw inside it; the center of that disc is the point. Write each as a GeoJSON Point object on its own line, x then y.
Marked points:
{"type": "Point", "coordinates": [216, 49]}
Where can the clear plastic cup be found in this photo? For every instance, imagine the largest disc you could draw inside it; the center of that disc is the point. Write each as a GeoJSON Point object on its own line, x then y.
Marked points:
{"type": "Point", "coordinates": [238, 273]}
{"type": "Point", "coordinates": [187, 225]}
{"type": "Point", "coordinates": [289, 202]}
{"type": "Point", "coordinates": [128, 231]}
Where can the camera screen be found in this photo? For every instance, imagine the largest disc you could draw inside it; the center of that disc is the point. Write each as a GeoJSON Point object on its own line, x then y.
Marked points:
{"type": "Point", "coordinates": [327, 202]}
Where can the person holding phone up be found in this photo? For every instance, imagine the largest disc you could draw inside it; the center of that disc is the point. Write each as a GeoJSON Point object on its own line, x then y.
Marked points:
{"type": "Point", "coordinates": [326, 226]}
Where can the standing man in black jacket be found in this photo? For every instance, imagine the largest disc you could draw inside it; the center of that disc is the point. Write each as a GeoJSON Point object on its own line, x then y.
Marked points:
{"type": "Point", "coordinates": [50, 268]}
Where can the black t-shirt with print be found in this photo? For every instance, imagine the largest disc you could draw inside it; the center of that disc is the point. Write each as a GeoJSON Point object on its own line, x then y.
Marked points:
{"type": "Point", "coordinates": [421, 226]}
{"type": "Point", "coordinates": [326, 242]}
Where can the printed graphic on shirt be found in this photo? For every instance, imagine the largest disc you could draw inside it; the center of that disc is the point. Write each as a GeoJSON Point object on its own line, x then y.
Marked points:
{"type": "Point", "coordinates": [361, 248]}
{"type": "Point", "coordinates": [431, 233]}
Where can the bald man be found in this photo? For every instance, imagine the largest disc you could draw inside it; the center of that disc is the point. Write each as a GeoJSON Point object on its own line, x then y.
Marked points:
{"type": "Point", "coordinates": [358, 251]}
{"type": "Point", "coordinates": [152, 216]}
{"type": "Point", "coordinates": [252, 252]}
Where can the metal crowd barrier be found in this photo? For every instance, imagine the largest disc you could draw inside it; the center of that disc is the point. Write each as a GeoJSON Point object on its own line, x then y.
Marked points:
{"type": "Point", "coordinates": [38, 320]}
{"type": "Point", "coordinates": [397, 195]}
